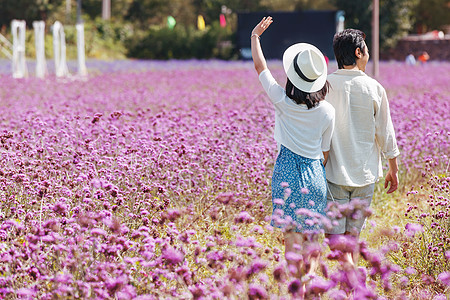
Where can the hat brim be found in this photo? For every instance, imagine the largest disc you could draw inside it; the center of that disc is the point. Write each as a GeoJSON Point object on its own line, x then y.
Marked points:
{"type": "Point", "coordinates": [288, 59]}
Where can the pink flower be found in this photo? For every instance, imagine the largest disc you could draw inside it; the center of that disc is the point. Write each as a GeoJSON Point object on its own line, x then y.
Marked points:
{"type": "Point", "coordinates": [294, 286]}
{"type": "Point", "coordinates": [319, 286]}
{"type": "Point", "coordinates": [447, 255]}
{"type": "Point", "coordinates": [287, 192]}
{"type": "Point", "coordinates": [278, 201]}
{"type": "Point", "coordinates": [412, 229]}
{"type": "Point", "coordinates": [172, 256]}
{"type": "Point", "coordinates": [257, 292]}
{"type": "Point", "coordinates": [60, 208]}
{"type": "Point", "coordinates": [243, 217]}
{"type": "Point", "coordinates": [98, 232]}
{"type": "Point", "coordinates": [292, 256]}
{"type": "Point", "coordinates": [445, 278]}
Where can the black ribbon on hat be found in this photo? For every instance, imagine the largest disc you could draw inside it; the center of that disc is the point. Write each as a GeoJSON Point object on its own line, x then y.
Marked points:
{"type": "Point", "coordinates": [299, 72]}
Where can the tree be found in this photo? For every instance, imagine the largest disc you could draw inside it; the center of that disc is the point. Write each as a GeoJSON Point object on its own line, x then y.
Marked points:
{"type": "Point", "coordinates": [28, 10]}
{"type": "Point", "coordinates": [396, 18]}
{"type": "Point", "coordinates": [290, 5]}
{"type": "Point", "coordinates": [146, 12]}
{"type": "Point", "coordinates": [432, 15]}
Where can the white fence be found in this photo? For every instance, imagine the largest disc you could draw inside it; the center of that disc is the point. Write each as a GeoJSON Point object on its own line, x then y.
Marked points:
{"type": "Point", "coordinates": [80, 50]}
{"type": "Point", "coordinates": [5, 46]}
{"type": "Point", "coordinates": [16, 50]}
{"type": "Point", "coordinates": [19, 65]}
{"type": "Point", "coordinates": [39, 36]}
{"type": "Point", "coordinates": [59, 50]}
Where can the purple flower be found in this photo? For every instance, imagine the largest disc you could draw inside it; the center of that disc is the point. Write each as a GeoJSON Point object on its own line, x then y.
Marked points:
{"type": "Point", "coordinates": [215, 256]}
{"type": "Point", "coordinates": [412, 229]}
{"type": "Point", "coordinates": [279, 273]}
{"type": "Point", "coordinates": [319, 286]}
{"type": "Point", "coordinates": [27, 293]}
{"type": "Point", "coordinates": [294, 286]}
{"type": "Point", "coordinates": [243, 217]}
{"type": "Point", "coordinates": [172, 256]}
{"type": "Point", "coordinates": [447, 255]}
{"type": "Point", "coordinates": [292, 256]}
{"type": "Point", "coordinates": [343, 243]}
{"type": "Point", "coordinates": [427, 279]}
{"type": "Point", "coordinates": [256, 267]}
{"type": "Point", "coordinates": [225, 198]}
{"type": "Point", "coordinates": [98, 232]}
{"type": "Point", "coordinates": [60, 208]}
{"type": "Point", "coordinates": [404, 281]}
{"type": "Point", "coordinates": [114, 285]}
{"type": "Point", "coordinates": [337, 294]}
{"type": "Point", "coordinates": [197, 291]}
{"type": "Point", "coordinates": [127, 292]}
{"type": "Point", "coordinates": [173, 214]}
{"type": "Point", "coordinates": [445, 278]}
{"type": "Point", "coordinates": [278, 201]}
{"type": "Point", "coordinates": [256, 292]}
{"type": "Point", "coordinates": [96, 183]}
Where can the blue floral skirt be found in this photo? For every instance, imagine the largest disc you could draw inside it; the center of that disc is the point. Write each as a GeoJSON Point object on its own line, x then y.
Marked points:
{"type": "Point", "coordinates": [299, 192]}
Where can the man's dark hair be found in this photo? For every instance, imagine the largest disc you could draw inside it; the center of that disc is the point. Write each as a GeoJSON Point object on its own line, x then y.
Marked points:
{"type": "Point", "coordinates": [310, 99]}
{"type": "Point", "coordinates": [344, 45]}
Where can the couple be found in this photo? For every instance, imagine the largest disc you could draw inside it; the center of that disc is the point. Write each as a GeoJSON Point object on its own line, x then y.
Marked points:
{"type": "Point", "coordinates": [346, 134]}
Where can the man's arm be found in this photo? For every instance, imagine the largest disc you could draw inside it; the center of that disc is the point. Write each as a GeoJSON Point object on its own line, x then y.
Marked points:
{"type": "Point", "coordinates": [385, 137]}
{"type": "Point", "coordinates": [392, 176]}
{"type": "Point", "coordinates": [325, 157]}
{"type": "Point", "coordinates": [257, 54]}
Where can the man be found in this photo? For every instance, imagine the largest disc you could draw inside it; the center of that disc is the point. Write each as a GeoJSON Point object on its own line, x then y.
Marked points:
{"type": "Point", "coordinates": [363, 130]}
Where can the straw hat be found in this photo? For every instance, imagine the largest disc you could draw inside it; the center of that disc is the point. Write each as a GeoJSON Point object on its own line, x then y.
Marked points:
{"type": "Point", "coordinates": [305, 67]}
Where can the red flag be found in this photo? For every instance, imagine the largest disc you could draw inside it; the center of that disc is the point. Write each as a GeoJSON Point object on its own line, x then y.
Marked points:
{"type": "Point", "coordinates": [223, 21]}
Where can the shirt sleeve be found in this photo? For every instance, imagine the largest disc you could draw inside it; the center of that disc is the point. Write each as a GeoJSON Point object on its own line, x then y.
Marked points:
{"type": "Point", "coordinates": [384, 129]}
{"type": "Point", "coordinates": [275, 92]}
{"type": "Point", "coordinates": [328, 133]}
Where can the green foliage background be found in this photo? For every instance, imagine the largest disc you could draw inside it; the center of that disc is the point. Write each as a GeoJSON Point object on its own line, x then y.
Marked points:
{"type": "Point", "coordinates": [135, 24]}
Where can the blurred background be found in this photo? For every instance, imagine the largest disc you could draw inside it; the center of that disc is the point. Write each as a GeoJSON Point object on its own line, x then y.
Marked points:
{"type": "Point", "coordinates": [205, 29]}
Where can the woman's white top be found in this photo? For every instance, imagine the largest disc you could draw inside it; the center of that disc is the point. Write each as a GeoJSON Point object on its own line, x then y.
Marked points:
{"type": "Point", "coordinates": [306, 132]}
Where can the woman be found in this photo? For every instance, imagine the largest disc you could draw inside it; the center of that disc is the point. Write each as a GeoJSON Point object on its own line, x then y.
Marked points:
{"type": "Point", "coordinates": [304, 125]}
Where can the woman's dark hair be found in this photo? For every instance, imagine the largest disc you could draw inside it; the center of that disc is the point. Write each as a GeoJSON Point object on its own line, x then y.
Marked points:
{"type": "Point", "coordinates": [310, 99]}
{"type": "Point", "coordinates": [344, 45]}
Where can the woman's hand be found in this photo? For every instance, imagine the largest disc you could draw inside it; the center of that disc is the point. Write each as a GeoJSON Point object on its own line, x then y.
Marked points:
{"type": "Point", "coordinates": [262, 26]}
{"type": "Point", "coordinates": [257, 53]}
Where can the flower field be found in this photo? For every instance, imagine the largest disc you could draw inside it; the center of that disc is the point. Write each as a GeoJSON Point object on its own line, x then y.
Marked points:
{"type": "Point", "coordinates": [151, 180]}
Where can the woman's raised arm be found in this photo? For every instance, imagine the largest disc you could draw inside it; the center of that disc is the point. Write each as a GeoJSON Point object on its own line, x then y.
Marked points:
{"type": "Point", "coordinates": [257, 53]}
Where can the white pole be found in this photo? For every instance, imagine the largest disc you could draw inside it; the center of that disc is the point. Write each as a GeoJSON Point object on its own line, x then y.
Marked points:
{"type": "Point", "coordinates": [82, 70]}
{"type": "Point", "coordinates": [59, 50]}
{"type": "Point", "coordinates": [340, 19]}
{"type": "Point", "coordinates": [56, 46]}
{"type": "Point", "coordinates": [19, 65]}
{"type": "Point", "coordinates": [106, 9]}
{"type": "Point", "coordinates": [39, 37]}
{"type": "Point", "coordinates": [376, 37]}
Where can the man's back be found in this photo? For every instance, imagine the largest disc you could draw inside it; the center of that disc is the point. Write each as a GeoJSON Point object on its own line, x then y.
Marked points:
{"type": "Point", "coordinates": [362, 127]}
